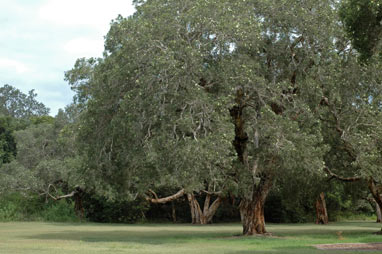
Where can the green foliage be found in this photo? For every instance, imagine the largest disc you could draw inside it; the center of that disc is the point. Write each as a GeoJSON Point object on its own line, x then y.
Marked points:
{"type": "Point", "coordinates": [9, 212]}
{"type": "Point", "coordinates": [362, 20]}
{"type": "Point", "coordinates": [17, 207]}
{"type": "Point", "coordinates": [46, 165]}
{"type": "Point", "coordinates": [36, 120]}
{"type": "Point", "coordinates": [8, 148]}
{"type": "Point", "coordinates": [17, 111]}
{"type": "Point", "coordinates": [46, 156]}
{"type": "Point", "coordinates": [157, 103]}
{"type": "Point", "coordinates": [16, 104]}
{"type": "Point", "coordinates": [59, 211]}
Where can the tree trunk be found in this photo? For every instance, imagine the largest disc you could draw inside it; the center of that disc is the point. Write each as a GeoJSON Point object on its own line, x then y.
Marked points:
{"type": "Point", "coordinates": [379, 215]}
{"type": "Point", "coordinates": [252, 211]}
{"type": "Point", "coordinates": [375, 192]}
{"type": "Point", "coordinates": [321, 211]}
{"type": "Point", "coordinates": [252, 217]}
{"type": "Point", "coordinates": [173, 212]}
{"type": "Point", "coordinates": [78, 207]}
{"type": "Point", "coordinates": [203, 217]}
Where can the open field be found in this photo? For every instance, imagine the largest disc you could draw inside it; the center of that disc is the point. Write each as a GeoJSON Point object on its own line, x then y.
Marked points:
{"type": "Point", "coordinates": [37, 237]}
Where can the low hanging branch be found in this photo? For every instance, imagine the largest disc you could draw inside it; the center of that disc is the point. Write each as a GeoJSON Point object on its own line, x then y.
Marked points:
{"type": "Point", "coordinates": [72, 194]}
{"type": "Point", "coordinates": [76, 194]}
{"type": "Point", "coordinates": [157, 200]}
{"type": "Point", "coordinates": [343, 179]}
{"type": "Point", "coordinates": [63, 196]}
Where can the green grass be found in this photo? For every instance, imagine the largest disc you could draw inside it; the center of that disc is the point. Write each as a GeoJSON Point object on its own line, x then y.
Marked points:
{"type": "Point", "coordinates": [37, 237]}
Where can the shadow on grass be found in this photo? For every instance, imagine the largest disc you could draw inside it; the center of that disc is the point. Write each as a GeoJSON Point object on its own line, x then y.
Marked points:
{"type": "Point", "coordinates": [147, 237]}
{"type": "Point", "coordinates": [170, 236]}
{"type": "Point", "coordinates": [291, 236]}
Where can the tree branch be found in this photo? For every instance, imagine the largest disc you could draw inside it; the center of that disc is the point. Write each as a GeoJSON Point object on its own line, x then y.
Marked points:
{"type": "Point", "coordinates": [47, 193]}
{"type": "Point", "coordinates": [63, 196]}
{"type": "Point", "coordinates": [157, 200]}
{"type": "Point", "coordinates": [217, 193]}
{"type": "Point", "coordinates": [343, 179]}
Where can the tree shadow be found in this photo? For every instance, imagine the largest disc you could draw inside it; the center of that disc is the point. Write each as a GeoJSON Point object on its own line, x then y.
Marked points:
{"type": "Point", "coordinates": [126, 236]}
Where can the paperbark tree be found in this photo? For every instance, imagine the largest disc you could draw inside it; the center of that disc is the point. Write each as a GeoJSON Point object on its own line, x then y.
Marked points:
{"type": "Point", "coordinates": [225, 92]}
{"type": "Point", "coordinates": [205, 215]}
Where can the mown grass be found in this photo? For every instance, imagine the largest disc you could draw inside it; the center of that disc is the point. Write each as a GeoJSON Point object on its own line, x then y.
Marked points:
{"type": "Point", "coordinates": [37, 237]}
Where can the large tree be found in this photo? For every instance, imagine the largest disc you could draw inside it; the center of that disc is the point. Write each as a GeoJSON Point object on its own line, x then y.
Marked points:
{"type": "Point", "coordinates": [228, 94]}
{"type": "Point", "coordinates": [145, 122]}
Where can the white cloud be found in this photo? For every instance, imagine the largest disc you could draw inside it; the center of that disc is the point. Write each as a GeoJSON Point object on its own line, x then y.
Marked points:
{"type": "Point", "coordinates": [95, 13]}
{"type": "Point", "coordinates": [13, 65]}
{"type": "Point", "coordinates": [41, 39]}
{"type": "Point", "coordinates": [84, 47]}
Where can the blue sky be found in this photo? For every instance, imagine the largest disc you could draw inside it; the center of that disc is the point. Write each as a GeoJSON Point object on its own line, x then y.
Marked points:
{"type": "Point", "coordinates": [41, 39]}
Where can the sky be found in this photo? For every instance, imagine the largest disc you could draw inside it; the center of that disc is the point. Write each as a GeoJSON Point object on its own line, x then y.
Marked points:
{"type": "Point", "coordinates": [41, 39]}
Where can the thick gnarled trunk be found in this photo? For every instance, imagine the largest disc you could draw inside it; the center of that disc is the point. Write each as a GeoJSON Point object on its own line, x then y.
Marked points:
{"type": "Point", "coordinates": [321, 211]}
{"type": "Point", "coordinates": [252, 210]}
{"type": "Point", "coordinates": [204, 216]}
{"type": "Point", "coordinates": [252, 205]}
{"type": "Point", "coordinates": [252, 217]}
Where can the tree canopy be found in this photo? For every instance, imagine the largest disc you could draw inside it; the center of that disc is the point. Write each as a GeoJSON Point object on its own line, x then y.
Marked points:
{"type": "Point", "coordinates": [218, 92]}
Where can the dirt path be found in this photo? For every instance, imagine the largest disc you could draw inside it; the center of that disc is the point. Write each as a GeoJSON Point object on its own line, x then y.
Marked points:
{"type": "Point", "coordinates": [350, 246]}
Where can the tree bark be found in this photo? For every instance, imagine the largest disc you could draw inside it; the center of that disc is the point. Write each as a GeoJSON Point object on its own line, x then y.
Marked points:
{"type": "Point", "coordinates": [252, 210]}
{"type": "Point", "coordinates": [375, 191]}
{"type": "Point", "coordinates": [379, 214]}
{"type": "Point", "coordinates": [157, 200]}
{"type": "Point", "coordinates": [321, 211]}
{"type": "Point", "coordinates": [204, 216]}
{"type": "Point", "coordinates": [252, 217]}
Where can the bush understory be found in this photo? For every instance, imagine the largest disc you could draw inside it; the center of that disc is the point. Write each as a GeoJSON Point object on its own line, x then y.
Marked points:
{"type": "Point", "coordinates": [16, 207]}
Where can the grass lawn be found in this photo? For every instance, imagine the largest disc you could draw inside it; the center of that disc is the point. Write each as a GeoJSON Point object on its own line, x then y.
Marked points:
{"type": "Point", "coordinates": [37, 237]}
